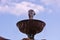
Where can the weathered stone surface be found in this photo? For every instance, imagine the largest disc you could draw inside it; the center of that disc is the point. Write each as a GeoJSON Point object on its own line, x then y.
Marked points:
{"type": "Point", "coordinates": [30, 26]}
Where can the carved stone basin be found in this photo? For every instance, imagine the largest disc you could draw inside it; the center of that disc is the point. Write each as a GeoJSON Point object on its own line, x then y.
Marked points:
{"type": "Point", "coordinates": [30, 26]}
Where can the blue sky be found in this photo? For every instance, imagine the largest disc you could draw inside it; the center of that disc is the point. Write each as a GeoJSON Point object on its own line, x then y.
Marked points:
{"type": "Point", "coordinates": [12, 11]}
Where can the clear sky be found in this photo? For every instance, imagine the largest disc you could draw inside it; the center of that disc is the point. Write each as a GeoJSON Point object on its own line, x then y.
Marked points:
{"type": "Point", "coordinates": [12, 11]}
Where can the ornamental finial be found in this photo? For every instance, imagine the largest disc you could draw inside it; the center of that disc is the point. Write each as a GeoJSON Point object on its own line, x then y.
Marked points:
{"type": "Point", "coordinates": [31, 13]}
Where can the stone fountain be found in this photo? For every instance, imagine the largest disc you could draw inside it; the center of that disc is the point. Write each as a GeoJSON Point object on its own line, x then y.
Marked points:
{"type": "Point", "coordinates": [30, 26]}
